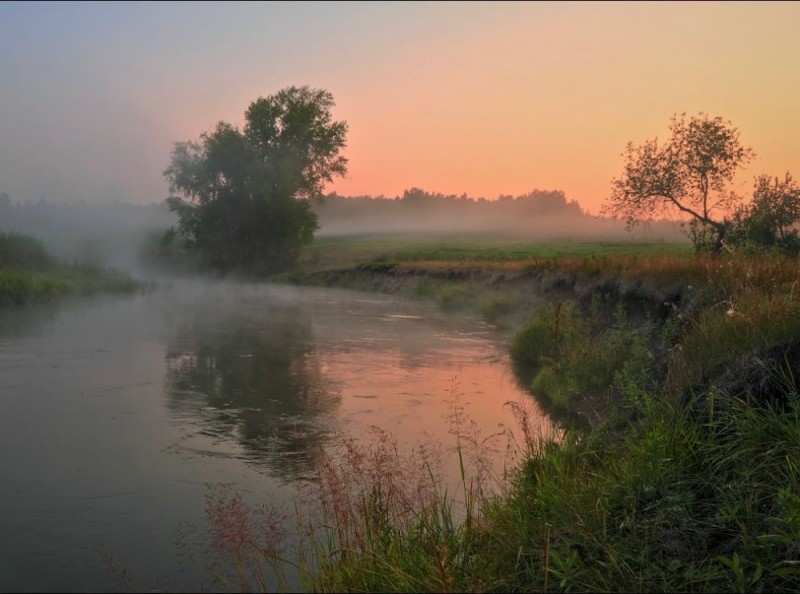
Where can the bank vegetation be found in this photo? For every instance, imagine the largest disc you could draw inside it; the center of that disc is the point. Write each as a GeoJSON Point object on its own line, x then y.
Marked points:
{"type": "Point", "coordinates": [30, 274]}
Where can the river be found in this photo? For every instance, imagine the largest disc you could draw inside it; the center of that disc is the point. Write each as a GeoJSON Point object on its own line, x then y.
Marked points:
{"type": "Point", "coordinates": [119, 413]}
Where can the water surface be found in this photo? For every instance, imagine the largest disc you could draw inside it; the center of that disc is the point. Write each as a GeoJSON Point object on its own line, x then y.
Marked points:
{"type": "Point", "coordinates": [118, 413]}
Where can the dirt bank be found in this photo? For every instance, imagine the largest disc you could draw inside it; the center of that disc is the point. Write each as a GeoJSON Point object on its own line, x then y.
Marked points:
{"type": "Point", "coordinates": [509, 299]}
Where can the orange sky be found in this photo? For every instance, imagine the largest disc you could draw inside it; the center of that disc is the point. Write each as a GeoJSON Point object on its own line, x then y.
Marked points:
{"type": "Point", "coordinates": [483, 98]}
{"type": "Point", "coordinates": [549, 101]}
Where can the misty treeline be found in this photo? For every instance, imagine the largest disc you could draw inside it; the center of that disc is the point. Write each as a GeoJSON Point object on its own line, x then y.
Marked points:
{"type": "Point", "coordinates": [107, 235]}
{"type": "Point", "coordinates": [538, 215]}
{"type": "Point", "coordinates": [419, 210]}
{"type": "Point", "coordinates": [118, 234]}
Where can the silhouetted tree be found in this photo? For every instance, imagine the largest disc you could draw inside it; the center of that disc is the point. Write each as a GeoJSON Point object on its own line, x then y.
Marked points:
{"type": "Point", "coordinates": [241, 196]}
{"type": "Point", "coordinates": [689, 173]}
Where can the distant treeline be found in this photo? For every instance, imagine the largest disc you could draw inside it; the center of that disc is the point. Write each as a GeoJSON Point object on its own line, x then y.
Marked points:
{"type": "Point", "coordinates": [420, 211]}
{"type": "Point", "coordinates": [113, 234]}
{"type": "Point", "coordinates": [540, 214]}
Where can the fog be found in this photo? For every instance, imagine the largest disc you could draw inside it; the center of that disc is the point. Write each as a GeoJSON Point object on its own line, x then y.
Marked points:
{"type": "Point", "coordinates": [540, 215]}
{"type": "Point", "coordinates": [115, 235]}
{"type": "Point", "coordinates": [106, 235]}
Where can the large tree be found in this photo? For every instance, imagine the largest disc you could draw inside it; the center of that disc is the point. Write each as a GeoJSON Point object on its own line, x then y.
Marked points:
{"type": "Point", "coordinates": [690, 173]}
{"type": "Point", "coordinates": [242, 195]}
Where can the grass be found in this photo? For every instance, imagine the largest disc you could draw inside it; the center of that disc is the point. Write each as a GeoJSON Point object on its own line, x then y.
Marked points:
{"type": "Point", "coordinates": [376, 517]}
{"type": "Point", "coordinates": [335, 252]}
{"type": "Point", "coordinates": [19, 287]}
{"type": "Point", "coordinates": [680, 502]}
{"type": "Point", "coordinates": [496, 305]}
{"type": "Point", "coordinates": [453, 296]}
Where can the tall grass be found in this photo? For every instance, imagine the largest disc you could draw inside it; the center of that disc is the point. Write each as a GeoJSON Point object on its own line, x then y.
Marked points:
{"type": "Point", "coordinates": [682, 500]}
{"type": "Point", "coordinates": [565, 356]}
{"type": "Point", "coordinates": [377, 516]}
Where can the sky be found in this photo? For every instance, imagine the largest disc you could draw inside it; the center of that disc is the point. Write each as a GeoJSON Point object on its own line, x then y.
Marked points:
{"type": "Point", "coordinates": [452, 97]}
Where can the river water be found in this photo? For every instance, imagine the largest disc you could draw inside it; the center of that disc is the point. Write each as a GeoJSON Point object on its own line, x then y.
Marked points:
{"type": "Point", "coordinates": [118, 414]}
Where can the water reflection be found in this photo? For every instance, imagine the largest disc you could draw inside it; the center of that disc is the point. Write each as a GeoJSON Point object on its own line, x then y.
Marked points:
{"type": "Point", "coordinates": [117, 413]}
{"type": "Point", "coordinates": [248, 376]}
{"type": "Point", "coordinates": [270, 375]}
{"type": "Point", "coordinates": [17, 322]}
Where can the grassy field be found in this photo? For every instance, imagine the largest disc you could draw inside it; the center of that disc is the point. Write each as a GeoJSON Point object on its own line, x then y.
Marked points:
{"type": "Point", "coordinates": [335, 252]}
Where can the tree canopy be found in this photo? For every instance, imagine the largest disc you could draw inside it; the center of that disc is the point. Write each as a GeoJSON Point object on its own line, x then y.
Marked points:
{"type": "Point", "coordinates": [241, 195]}
{"type": "Point", "coordinates": [690, 173]}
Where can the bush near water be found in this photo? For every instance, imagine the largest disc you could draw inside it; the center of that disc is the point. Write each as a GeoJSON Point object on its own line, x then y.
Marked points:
{"type": "Point", "coordinates": [29, 273]}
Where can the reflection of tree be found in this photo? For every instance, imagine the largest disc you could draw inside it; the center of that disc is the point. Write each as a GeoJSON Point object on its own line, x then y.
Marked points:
{"type": "Point", "coordinates": [255, 380]}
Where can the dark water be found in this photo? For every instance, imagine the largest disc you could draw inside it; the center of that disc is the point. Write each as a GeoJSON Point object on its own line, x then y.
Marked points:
{"type": "Point", "coordinates": [116, 414]}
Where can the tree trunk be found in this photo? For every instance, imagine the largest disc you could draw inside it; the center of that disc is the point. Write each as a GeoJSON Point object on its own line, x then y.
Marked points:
{"type": "Point", "coordinates": [719, 243]}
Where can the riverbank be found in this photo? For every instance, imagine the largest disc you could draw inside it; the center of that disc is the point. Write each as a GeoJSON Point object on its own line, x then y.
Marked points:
{"type": "Point", "coordinates": [510, 285]}
{"type": "Point", "coordinates": [29, 274]}
{"type": "Point", "coordinates": [21, 287]}
{"type": "Point", "coordinates": [684, 480]}
{"type": "Point", "coordinates": [692, 314]}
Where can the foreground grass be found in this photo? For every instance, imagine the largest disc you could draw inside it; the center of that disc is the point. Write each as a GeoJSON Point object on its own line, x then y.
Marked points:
{"type": "Point", "coordinates": [685, 500]}
{"type": "Point", "coordinates": [705, 499]}
{"type": "Point", "coordinates": [679, 502]}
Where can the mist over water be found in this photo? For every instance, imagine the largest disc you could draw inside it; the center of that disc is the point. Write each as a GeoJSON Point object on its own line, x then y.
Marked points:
{"type": "Point", "coordinates": [119, 412]}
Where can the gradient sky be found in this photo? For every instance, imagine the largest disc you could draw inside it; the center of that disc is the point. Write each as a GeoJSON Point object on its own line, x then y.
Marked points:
{"type": "Point", "coordinates": [483, 98]}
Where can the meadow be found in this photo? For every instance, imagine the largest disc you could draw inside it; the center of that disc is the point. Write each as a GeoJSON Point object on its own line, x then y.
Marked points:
{"type": "Point", "coordinates": [332, 252]}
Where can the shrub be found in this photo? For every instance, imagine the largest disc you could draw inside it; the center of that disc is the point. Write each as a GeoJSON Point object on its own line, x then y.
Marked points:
{"type": "Point", "coordinates": [18, 250]}
{"type": "Point", "coordinates": [497, 305]}
{"type": "Point", "coordinates": [453, 297]}
{"type": "Point", "coordinates": [543, 340]}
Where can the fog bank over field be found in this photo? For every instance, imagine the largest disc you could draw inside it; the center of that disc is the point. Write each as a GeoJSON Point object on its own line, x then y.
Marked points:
{"type": "Point", "coordinates": [537, 216]}
{"type": "Point", "coordinates": [116, 234]}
